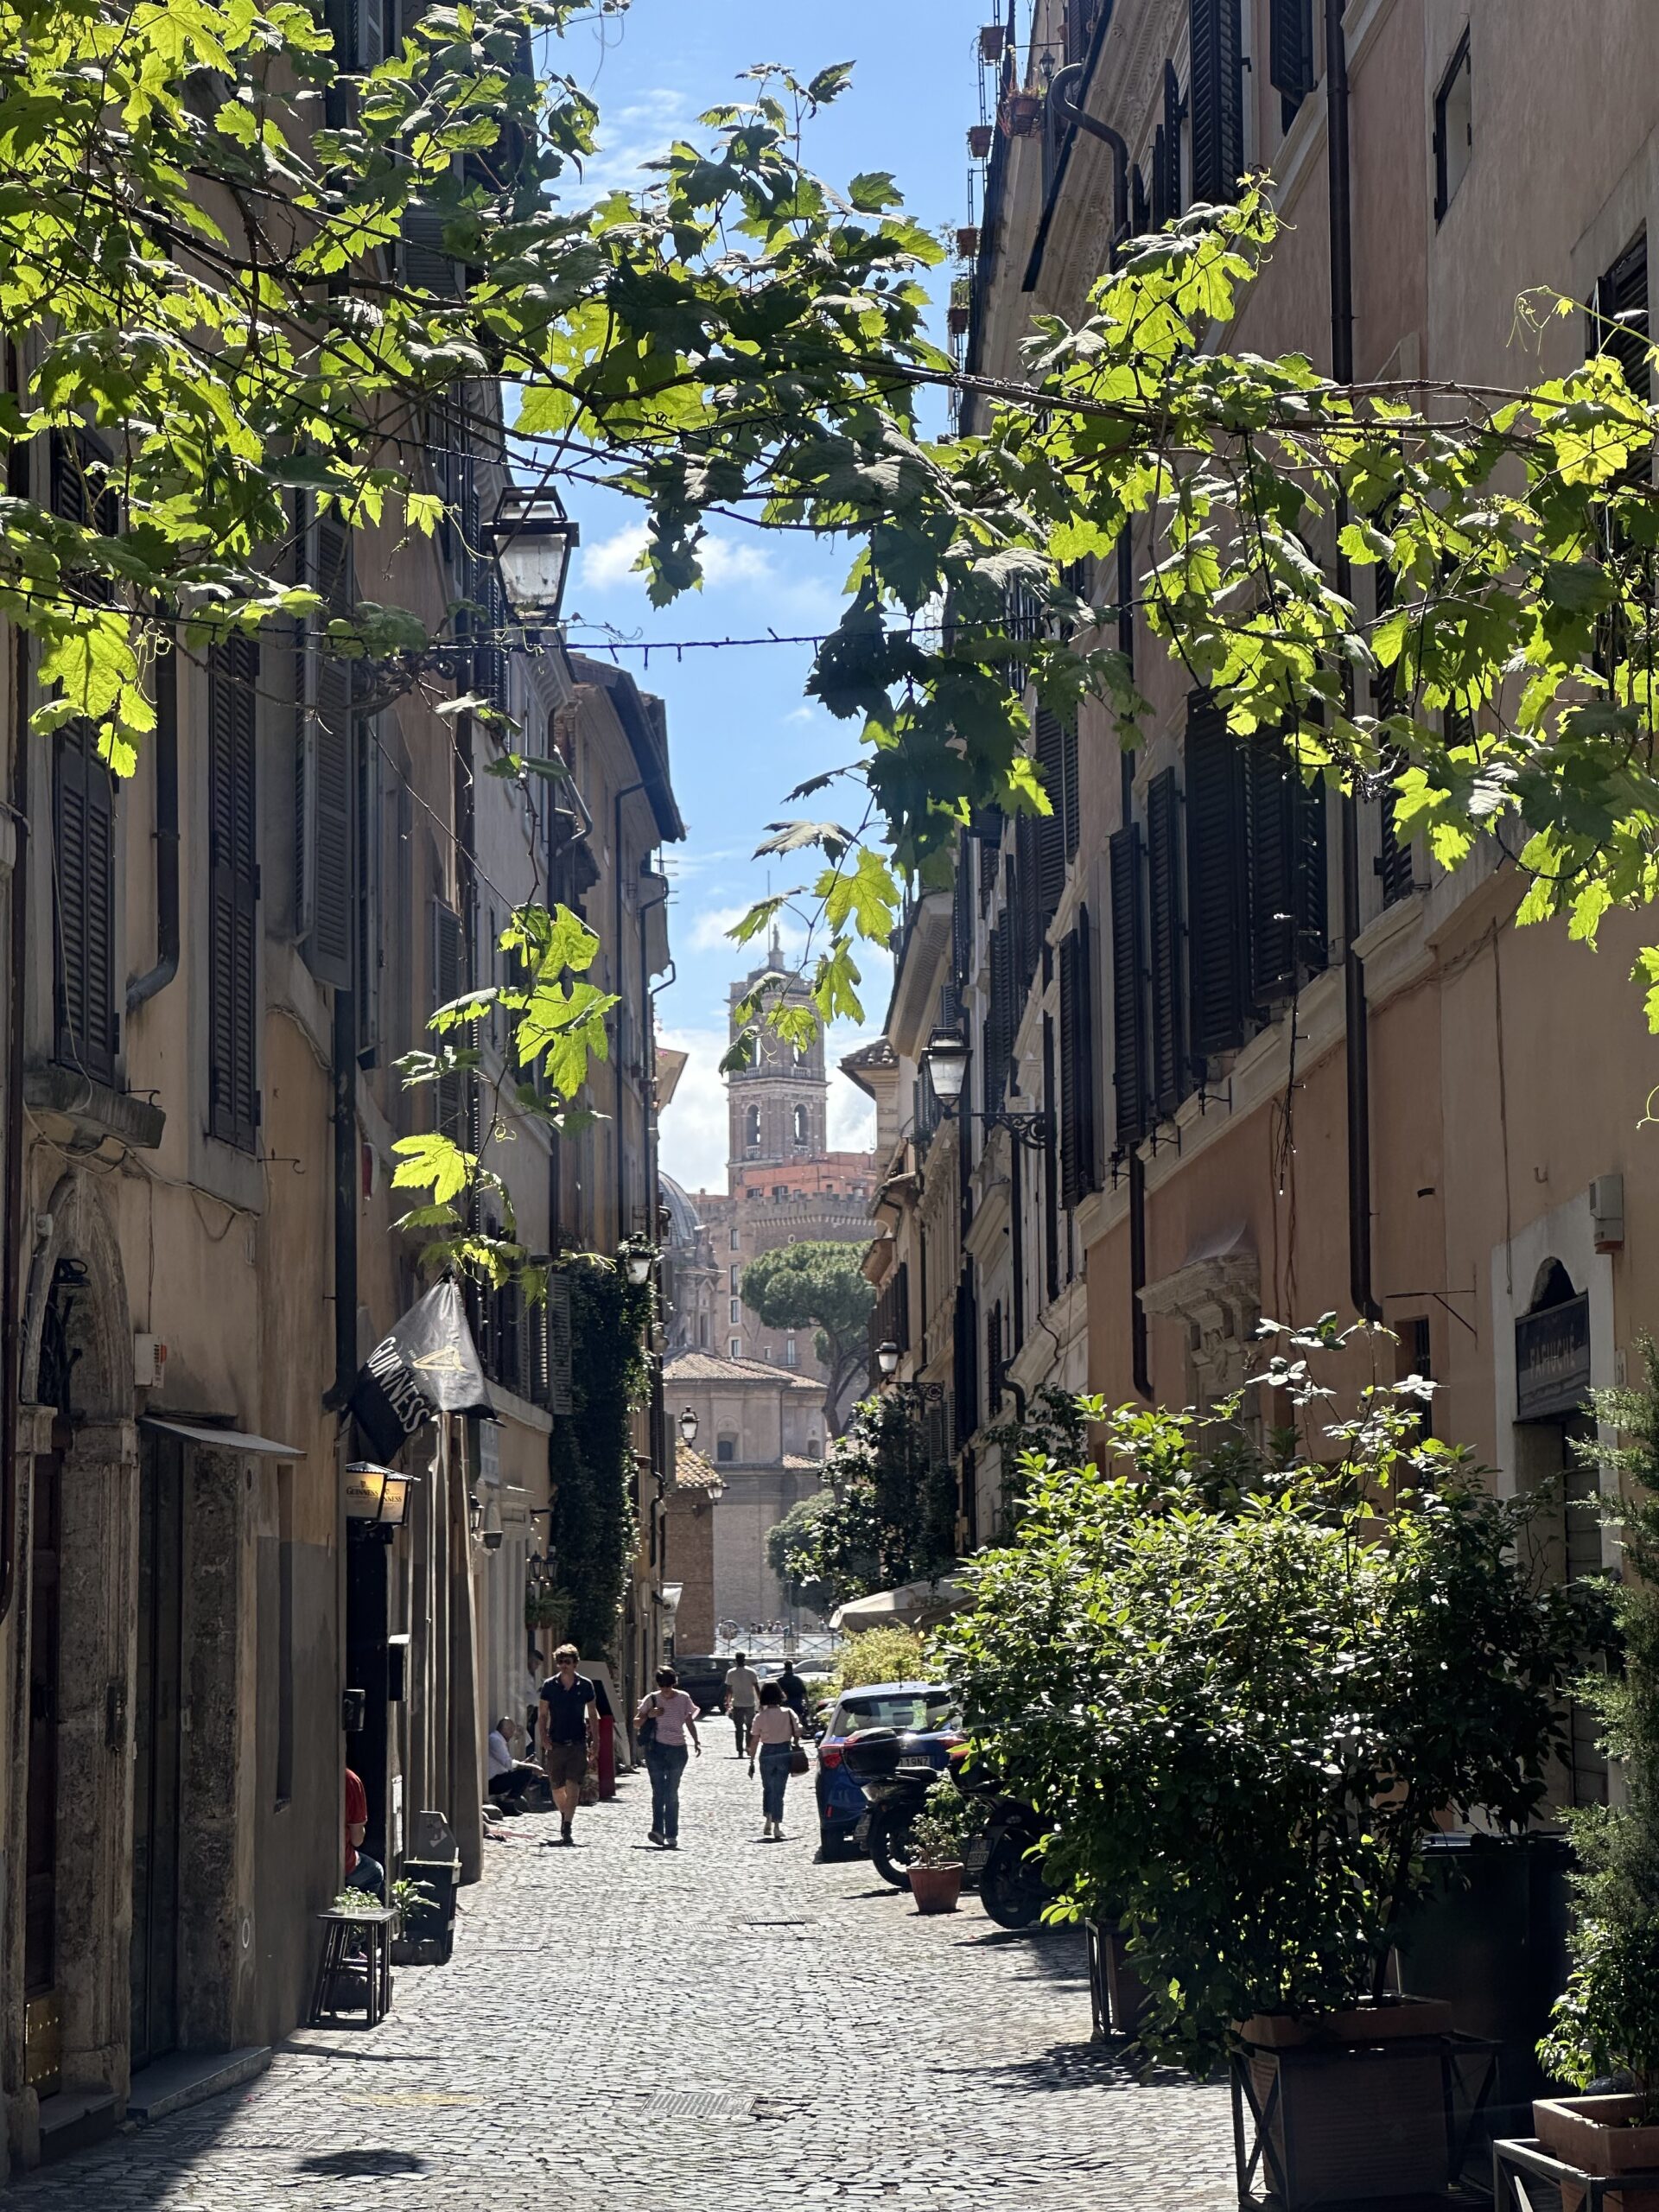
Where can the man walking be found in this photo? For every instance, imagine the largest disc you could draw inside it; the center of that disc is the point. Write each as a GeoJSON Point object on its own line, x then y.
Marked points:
{"type": "Point", "coordinates": [742, 1696]}
{"type": "Point", "coordinates": [566, 1724]}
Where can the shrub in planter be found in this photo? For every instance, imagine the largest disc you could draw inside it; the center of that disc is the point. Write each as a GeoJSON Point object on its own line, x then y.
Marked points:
{"type": "Point", "coordinates": [938, 1835]}
{"type": "Point", "coordinates": [1242, 1678]}
{"type": "Point", "coordinates": [1607, 2022]}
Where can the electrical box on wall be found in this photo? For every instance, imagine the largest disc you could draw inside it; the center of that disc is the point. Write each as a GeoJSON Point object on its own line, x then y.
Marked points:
{"type": "Point", "coordinates": [1607, 1212]}
{"type": "Point", "coordinates": [149, 1360]}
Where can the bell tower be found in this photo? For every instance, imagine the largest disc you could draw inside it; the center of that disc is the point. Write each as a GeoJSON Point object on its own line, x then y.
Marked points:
{"type": "Point", "coordinates": [778, 1105]}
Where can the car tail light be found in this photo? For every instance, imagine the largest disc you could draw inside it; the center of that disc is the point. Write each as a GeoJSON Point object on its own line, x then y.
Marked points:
{"type": "Point", "coordinates": [828, 1755]}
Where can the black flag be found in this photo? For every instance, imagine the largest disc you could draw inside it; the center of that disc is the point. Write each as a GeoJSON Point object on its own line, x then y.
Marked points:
{"type": "Point", "coordinates": [427, 1365]}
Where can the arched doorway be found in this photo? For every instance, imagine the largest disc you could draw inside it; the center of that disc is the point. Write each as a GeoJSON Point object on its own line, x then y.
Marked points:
{"type": "Point", "coordinates": [71, 1827]}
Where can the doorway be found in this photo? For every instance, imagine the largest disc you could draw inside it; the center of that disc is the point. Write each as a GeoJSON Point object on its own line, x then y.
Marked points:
{"type": "Point", "coordinates": [42, 2018]}
{"type": "Point", "coordinates": [157, 1749]}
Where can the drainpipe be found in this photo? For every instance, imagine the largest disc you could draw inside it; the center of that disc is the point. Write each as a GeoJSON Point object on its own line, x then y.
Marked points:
{"type": "Point", "coordinates": [16, 1037]}
{"type": "Point", "coordinates": [1063, 94]}
{"type": "Point", "coordinates": [619, 1179]}
{"type": "Point", "coordinates": [344, 1056]}
{"type": "Point", "coordinates": [142, 989]}
{"type": "Point", "coordinates": [1356, 1019]}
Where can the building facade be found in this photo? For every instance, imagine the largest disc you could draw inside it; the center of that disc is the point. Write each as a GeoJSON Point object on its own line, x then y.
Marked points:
{"type": "Point", "coordinates": [1364, 1095]}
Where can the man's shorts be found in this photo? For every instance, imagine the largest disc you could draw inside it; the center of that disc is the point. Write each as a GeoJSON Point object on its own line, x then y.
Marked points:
{"type": "Point", "coordinates": [566, 1764]}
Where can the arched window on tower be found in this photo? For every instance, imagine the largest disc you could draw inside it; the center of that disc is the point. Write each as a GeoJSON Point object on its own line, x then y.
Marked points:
{"type": "Point", "coordinates": [752, 1125]}
{"type": "Point", "coordinates": [800, 1125]}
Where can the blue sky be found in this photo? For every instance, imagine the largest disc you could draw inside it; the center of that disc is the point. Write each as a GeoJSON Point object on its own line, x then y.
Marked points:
{"type": "Point", "coordinates": [740, 732]}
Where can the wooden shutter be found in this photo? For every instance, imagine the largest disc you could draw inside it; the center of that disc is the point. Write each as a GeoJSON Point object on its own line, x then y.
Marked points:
{"type": "Point", "coordinates": [326, 776]}
{"type": "Point", "coordinates": [1290, 54]}
{"type": "Point", "coordinates": [1286, 823]}
{"type": "Point", "coordinates": [962, 923]}
{"type": "Point", "coordinates": [233, 893]}
{"type": "Point", "coordinates": [1140, 206]}
{"type": "Point", "coordinates": [1216, 880]}
{"type": "Point", "coordinates": [1217, 100]}
{"type": "Point", "coordinates": [1079, 1157]}
{"type": "Point", "coordinates": [558, 1344]}
{"type": "Point", "coordinates": [1025, 894]}
{"type": "Point", "coordinates": [1393, 854]}
{"type": "Point", "coordinates": [1165, 966]}
{"type": "Point", "coordinates": [1168, 154]}
{"type": "Point", "coordinates": [1048, 744]}
{"type": "Point", "coordinates": [998, 1031]}
{"type": "Point", "coordinates": [1129, 963]}
{"type": "Point", "coordinates": [964, 1322]}
{"type": "Point", "coordinates": [446, 987]}
{"type": "Point", "coordinates": [1623, 291]}
{"type": "Point", "coordinates": [83, 823]}
{"type": "Point", "coordinates": [1162, 212]}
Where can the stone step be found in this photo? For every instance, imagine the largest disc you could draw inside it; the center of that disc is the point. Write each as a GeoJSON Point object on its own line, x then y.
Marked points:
{"type": "Point", "coordinates": [185, 2077]}
{"type": "Point", "coordinates": [73, 2120]}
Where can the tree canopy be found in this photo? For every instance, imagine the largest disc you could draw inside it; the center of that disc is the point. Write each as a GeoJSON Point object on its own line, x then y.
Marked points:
{"type": "Point", "coordinates": [201, 280]}
{"type": "Point", "coordinates": [820, 1286]}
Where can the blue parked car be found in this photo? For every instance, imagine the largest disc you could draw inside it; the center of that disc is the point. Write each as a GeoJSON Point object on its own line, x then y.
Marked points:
{"type": "Point", "coordinates": [923, 1710]}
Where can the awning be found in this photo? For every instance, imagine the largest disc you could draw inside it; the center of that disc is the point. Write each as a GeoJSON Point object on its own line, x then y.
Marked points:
{"type": "Point", "coordinates": [223, 1440]}
{"type": "Point", "coordinates": [913, 1605]}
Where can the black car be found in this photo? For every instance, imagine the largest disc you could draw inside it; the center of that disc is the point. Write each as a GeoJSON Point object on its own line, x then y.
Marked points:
{"type": "Point", "coordinates": [703, 1675]}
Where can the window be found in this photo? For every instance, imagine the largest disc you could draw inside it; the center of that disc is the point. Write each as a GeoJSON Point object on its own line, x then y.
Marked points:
{"type": "Point", "coordinates": [736, 1239]}
{"type": "Point", "coordinates": [792, 1357]}
{"type": "Point", "coordinates": [736, 1314]}
{"type": "Point", "coordinates": [737, 1348]}
{"type": "Point", "coordinates": [737, 1278]}
{"type": "Point", "coordinates": [1290, 55]}
{"type": "Point", "coordinates": [800, 1125]}
{"type": "Point", "coordinates": [1078, 1167]}
{"type": "Point", "coordinates": [752, 1127]}
{"type": "Point", "coordinates": [1618, 315]}
{"type": "Point", "coordinates": [814, 1447]}
{"type": "Point", "coordinates": [725, 1451]}
{"type": "Point", "coordinates": [1454, 127]}
{"type": "Point", "coordinates": [1217, 101]}
{"type": "Point", "coordinates": [233, 893]}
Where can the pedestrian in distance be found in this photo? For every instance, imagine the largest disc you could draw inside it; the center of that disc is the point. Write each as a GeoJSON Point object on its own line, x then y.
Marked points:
{"type": "Point", "coordinates": [742, 1697]}
{"type": "Point", "coordinates": [362, 1873]}
{"type": "Point", "coordinates": [794, 1690]}
{"type": "Point", "coordinates": [773, 1735]}
{"type": "Point", "coordinates": [666, 1717]}
{"type": "Point", "coordinates": [568, 1725]}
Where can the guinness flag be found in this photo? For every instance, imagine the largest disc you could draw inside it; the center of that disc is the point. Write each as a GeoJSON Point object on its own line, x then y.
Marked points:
{"type": "Point", "coordinates": [427, 1365]}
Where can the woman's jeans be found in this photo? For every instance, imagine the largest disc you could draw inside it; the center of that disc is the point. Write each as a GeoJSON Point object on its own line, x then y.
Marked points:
{"type": "Point", "coordinates": [666, 1764]}
{"type": "Point", "coordinates": [774, 1780]}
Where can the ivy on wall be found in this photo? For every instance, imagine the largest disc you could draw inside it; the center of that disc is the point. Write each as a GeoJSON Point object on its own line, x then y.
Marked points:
{"type": "Point", "coordinates": [591, 1456]}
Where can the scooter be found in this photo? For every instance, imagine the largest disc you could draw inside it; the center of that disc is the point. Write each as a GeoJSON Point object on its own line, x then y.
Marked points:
{"type": "Point", "coordinates": [997, 1861]}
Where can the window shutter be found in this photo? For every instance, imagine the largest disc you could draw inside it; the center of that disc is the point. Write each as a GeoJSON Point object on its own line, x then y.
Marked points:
{"type": "Point", "coordinates": [1216, 877]}
{"type": "Point", "coordinates": [446, 986]}
{"type": "Point", "coordinates": [1623, 292]}
{"type": "Point", "coordinates": [233, 892]}
{"type": "Point", "coordinates": [1048, 743]}
{"type": "Point", "coordinates": [1285, 826]}
{"type": "Point", "coordinates": [84, 848]}
{"type": "Point", "coordinates": [1167, 969]}
{"type": "Point", "coordinates": [964, 1321]}
{"type": "Point", "coordinates": [1072, 818]}
{"type": "Point", "coordinates": [1162, 212]}
{"type": "Point", "coordinates": [1290, 54]}
{"type": "Point", "coordinates": [1217, 100]}
{"type": "Point", "coordinates": [1139, 208]}
{"type": "Point", "coordinates": [1079, 1171]}
{"type": "Point", "coordinates": [326, 772]}
{"type": "Point", "coordinates": [990, 859]}
{"type": "Point", "coordinates": [1024, 886]}
{"type": "Point", "coordinates": [1393, 854]}
{"type": "Point", "coordinates": [1174, 108]}
{"type": "Point", "coordinates": [962, 921]}
{"type": "Point", "coordinates": [558, 1344]}
{"type": "Point", "coordinates": [1129, 962]}
{"type": "Point", "coordinates": [999, 1023]}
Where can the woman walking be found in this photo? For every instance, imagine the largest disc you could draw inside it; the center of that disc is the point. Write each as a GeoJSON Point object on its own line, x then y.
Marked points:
{"type": "Point", "coordinates": [665, 1717]}
{"type": "Point", "coordinates": [773, 1735]}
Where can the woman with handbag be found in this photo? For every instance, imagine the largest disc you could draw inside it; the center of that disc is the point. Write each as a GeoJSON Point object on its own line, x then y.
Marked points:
{"type": "Point", "coordinates": [662, 1724]}
{"type": "Point", "coordinates": [775, 1739]}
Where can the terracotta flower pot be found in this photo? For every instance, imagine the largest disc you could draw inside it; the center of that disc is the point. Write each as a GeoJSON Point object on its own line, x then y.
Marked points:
{"type": "Point", "coordinates": [936, 1888]}
{"type": "Point", "coordinates": [967, 241]}
{"type": "Point", "coordinates": [1596, 2135]}
{"type": "Point", "coordinates": [979, 140]}
{"type": "Point", "coordinates": [1021, 113]}
{"type": "Point", "coordinates": [992, 38]}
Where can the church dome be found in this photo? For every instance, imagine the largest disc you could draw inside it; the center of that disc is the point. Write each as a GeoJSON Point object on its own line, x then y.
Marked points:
{"type": "Point", "coordinates": [684, 1226]}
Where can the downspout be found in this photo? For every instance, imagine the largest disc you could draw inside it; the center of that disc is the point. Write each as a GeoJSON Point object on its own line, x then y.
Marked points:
{"type": "Point", "coordinates": [1140, 1369]}
{"type": "Point", "coordinates": [619, 1180]}
{"type": "Point", "coordinates": [142, 989]}
{"type": "Point", "coordinates": [11, 1329]}
{"type": "Point", "coordinates": [343, 1057]}
{"type": "Point", "coordinates": [1068, 83]}
{"type": "Point", "coordinates": [1355, 1024]}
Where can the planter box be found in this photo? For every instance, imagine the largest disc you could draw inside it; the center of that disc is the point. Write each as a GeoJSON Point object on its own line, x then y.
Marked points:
{"type": "Point", "coordinates": [1595, 2134]}
{"type": "Point", "coordinates": [433, 1922]}
{"type": "Point", "coordinates": [419, 1950]}
{"type": "Point", "coordinates": [1353, 2104]}
{"type": "Point", "coordinates": [979, 140]}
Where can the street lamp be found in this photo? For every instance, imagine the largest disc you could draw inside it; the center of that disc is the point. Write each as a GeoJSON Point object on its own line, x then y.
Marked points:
{"type": "Point", "coordinates": [688, 1426]}
{"type": "Point", "coordinates": [376, 1495]}
{"type": "Point", "coordinates": [532, 537]}
{"type": "Point", "coordinates": [886, 1358]}
{"type": "Point", "coordinates": [945, 1058]}
{"type": "Point", "coordinates": [638, 1262]}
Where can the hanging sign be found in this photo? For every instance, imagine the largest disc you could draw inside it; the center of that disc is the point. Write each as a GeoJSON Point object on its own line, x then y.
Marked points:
{"type": "Point", "coordinates": [427, 1365]}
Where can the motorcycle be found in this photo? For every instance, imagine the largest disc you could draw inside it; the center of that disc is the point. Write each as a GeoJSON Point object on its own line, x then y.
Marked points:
{"type": "Point", "coordinates": [896, 1776]}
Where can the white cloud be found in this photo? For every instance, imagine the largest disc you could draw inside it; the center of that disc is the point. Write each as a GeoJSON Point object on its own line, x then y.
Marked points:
{"type": "Point", "coordinates": [611, 560]}
{"type": "Point", "coordinates": [708, 934]}
{"type": "Point", "coordinates": [634, 134]}
{"type": "Point", "coordinates": [609, 565]}
{"type": "Point", "coordinates": [851, 1116]}
{"type": "Point", "coordinates": [694, 1125]}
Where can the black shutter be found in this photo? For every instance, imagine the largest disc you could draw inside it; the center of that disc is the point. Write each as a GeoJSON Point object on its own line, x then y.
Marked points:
{"type": "Point", "coordinates": [962, 925]}
{"type": "Point", "coordinates": [233, 892]}
{"type": "Point", "coordinates": [1079, 1158]}
{"type": "Point", "coordinates": [327, 783]}
{"type": "Point", "coordinates": [1623, 291]}
{"type": "Point", "coordinates": [446, 986]}
{"type": "Point", "coordinates": [998, 1014]}
{"type": "Point", "coordinates": [1286, 821]}
{"type": "Point", "coordinates": [558, 1344]}
{"type": "Point", "coordinates": [1394, 855]}
{"type": "Point", "coordinates": [1164, 949]}
{"type": "Point", "coordinates": [965, 1361]}
{"type": "Point", "coordinates": [1129, 962]}
{"type": "Point", "coordinates": [539, 1377]}
{"type": "Point", "coordinates": [83, 823]}
{"type": "Point", "coordinates": [1048, 743]}
{"type": "Point", "coordinates": [1290, 54]}
{"type": "Point", "coordinates": [1139, 208]}
{"type": "Point", "coordinates": [1217, 100]}
{"type": "Point", "coordinates": [1025, 893]}
{"type": "Point", "coordinates": [1162, 212]}
{"type": "Point", "coordinates": [1174, 107]}
{"type": "Point", "coordinates": [1216, 877]}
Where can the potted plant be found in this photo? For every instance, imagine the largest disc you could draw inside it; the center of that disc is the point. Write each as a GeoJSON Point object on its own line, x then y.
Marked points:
{"type": "Point", "coordinates": [992, 38]}
{"type": "Point", "coordinates": [1605, 2026]}
{"type": "Point", "coordinates": [420, 1938]}
{"type": "Point", "coordinates": [936, 1837]}
{"type": "Point", "coordinates": [967, 241]}
{"type": "Point", "coordinates": [979, 140]}
{"type": "Point", "coordinates": [1020, 113]}
{"type": "Point", "coordinates": [1240, 1775]}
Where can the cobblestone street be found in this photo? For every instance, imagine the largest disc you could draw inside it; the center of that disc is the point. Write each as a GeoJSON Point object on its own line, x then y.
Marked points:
{"type": "Point", "coordinates": [730, 2028]}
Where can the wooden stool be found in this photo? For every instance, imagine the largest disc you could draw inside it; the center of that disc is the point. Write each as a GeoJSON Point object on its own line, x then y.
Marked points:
{"type": "Point", "coordinates": [374, 1924]}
